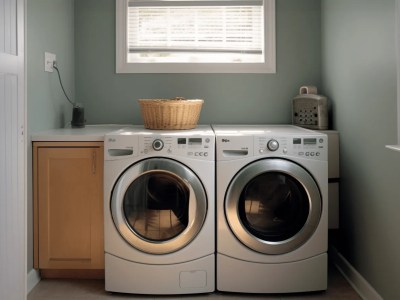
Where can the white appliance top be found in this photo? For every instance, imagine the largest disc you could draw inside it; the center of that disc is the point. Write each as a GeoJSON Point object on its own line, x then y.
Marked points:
{"type": "Point", "coordinates": [200, 130]}
{"type": "Point", "coordinates": [243, 130]}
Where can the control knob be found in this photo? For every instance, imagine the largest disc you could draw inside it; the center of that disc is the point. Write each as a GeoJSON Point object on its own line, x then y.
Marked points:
{"type": "Point", "coordinates": [158, 145]}
{"type": "Point", "coordinates": [272, 145]}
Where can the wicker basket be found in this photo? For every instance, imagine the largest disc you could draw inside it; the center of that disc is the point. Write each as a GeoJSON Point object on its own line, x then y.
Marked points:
{"type": "Point", "coordinates": [177, 113]}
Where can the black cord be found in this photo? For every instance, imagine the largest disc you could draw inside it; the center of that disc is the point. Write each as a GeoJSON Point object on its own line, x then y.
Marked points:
{"type": "Point", "coordinates": [59, 77]}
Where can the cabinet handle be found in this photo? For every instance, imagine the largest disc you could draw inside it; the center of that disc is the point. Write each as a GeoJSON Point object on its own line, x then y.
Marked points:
{"type": "Point", "coordinates": [94, 162]}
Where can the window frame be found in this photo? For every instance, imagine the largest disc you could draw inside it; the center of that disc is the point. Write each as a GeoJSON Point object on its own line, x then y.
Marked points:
{"type": "Point", "coordinates": [122, 66]}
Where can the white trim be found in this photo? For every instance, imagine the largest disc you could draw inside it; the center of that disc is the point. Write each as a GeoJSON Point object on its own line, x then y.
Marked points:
{"type": "Point", "coordinates": [123, 67]}
{"type": "Point", "coordinates": [120, 35]}
{"type": "Point", "coordinates": [397, 40]}
{"type": "Point", "coordinates": [193, 2]}
{"type": "Point", "coordinates": [393, 147]}
{"type": "Point", "coordinates": [32, 280]}
{"type": "Point", "coordinates": [24, 128]}
{"type": "Point", "coordinates": [355, 279]}
{"type": "Point", "coordinates": [13, 199]}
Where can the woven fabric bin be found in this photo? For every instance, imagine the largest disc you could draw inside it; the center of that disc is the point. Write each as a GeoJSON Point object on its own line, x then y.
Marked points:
{"type": "Point", "coordinates": [176, 113]}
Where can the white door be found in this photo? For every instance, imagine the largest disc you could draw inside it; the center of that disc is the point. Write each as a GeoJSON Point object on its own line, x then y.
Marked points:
{"type": "Point", "coordinates": [13, 258]}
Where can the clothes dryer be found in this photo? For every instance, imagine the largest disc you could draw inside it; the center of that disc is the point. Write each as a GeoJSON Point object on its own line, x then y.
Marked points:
{"type": "Point", "coordinates": [159, 220]}
{"type": "Point", "coordinates": [272, 193]}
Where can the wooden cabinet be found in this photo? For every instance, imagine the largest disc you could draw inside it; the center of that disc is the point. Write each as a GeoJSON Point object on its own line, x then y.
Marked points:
{"type": "Point", "coordinates": [68, 206]}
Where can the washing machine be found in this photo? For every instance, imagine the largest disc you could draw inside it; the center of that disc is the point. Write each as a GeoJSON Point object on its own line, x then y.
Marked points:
{"type": "Point", "coordinates": [159, 211]}
{"type": "Point", "coordinates": [272, 193]}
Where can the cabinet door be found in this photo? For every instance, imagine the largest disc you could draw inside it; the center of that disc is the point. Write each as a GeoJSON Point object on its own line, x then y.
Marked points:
{"type": "Point", "coordinates": [70, 205]}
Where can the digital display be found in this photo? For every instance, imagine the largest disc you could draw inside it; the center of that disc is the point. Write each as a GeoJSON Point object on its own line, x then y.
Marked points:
{"type": "Point", "coordinates": [181, 141]}
{"type": "Point", "coordinates": [296, 141]}
{"type": "Point", "coordinates": [310, 141]}
{"type": "Point", "coordinates": [195, 141]}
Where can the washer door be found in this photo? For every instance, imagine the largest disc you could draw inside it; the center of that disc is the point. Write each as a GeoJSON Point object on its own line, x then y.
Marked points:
{"type": "Point", "coordinates": [273, 206]}
{"type": "Point", "coordinates": [158, 205]}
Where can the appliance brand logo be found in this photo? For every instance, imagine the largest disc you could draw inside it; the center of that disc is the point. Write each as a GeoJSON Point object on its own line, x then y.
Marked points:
{"type": "Point", "coordinates": [225, 140]}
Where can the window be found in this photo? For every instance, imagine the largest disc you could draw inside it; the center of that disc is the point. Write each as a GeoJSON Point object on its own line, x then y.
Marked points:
{"type": "Point", "coordinates": [195, 36]}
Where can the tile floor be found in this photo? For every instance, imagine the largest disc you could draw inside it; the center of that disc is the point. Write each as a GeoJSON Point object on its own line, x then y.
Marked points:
{"type": "Point", "coordinates": [338, 288]}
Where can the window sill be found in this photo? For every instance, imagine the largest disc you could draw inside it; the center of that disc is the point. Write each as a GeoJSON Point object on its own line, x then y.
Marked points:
{"type": "Point", "coordinates": [393, 147]}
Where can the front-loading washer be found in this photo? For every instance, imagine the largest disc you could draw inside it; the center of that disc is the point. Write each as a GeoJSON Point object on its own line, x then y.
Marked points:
{"type": "Point", "coordinates": [272, 193]}
{"type": "Point", "coordinates": [159, 211]}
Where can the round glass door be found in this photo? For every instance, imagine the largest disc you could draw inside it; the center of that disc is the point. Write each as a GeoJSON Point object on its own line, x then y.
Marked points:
{"type": "Point", "coordinates": [158, 205]}
{"type": "Point", "coordinates": [273, 206]}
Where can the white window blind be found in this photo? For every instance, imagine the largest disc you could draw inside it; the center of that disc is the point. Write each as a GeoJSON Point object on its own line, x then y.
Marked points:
{"type": "Point", "coordinates": [206, 30]}
{"type": "Point", "coordinates": [196, 32]}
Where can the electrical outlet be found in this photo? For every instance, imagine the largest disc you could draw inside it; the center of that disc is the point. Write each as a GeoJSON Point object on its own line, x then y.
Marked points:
{"type": "Point", "coordinates": [49, 59]}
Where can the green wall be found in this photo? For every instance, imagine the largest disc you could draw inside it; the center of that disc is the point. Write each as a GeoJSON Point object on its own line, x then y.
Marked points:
{"type": "Point", "coordinates": [359, 76]}
{"type": "Point", "coordinates": [229, 98]}
{"type": "Point", "coordinates": [50, 28]}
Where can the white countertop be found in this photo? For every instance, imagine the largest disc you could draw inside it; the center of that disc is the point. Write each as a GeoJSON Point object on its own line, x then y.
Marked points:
{"type": "Point", "coordinates": [89, 133]}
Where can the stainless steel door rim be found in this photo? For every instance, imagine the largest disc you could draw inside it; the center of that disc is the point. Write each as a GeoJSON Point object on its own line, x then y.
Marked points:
{"type": "Point", "coordinates": [196, 212]}
{"type": "Point", "coordinates": [287, 168]}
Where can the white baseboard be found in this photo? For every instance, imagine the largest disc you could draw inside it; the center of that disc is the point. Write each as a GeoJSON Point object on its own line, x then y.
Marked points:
{"type": "Point", "coordinates": [33, 279]}
{"type": "Point", "coordinates": [356, 280]}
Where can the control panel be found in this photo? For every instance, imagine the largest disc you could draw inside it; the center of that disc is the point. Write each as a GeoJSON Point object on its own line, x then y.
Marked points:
{"type": "Point", "coordinates": [136, 142]}
{"type": "Point", "coordinates": [196, 147]}
{"type": "Point", "coordinates": [313, 147]}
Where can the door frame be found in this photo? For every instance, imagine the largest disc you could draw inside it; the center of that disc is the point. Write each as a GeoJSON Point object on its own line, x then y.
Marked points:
{"type": "Point", "coordinates": [13, 273]}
